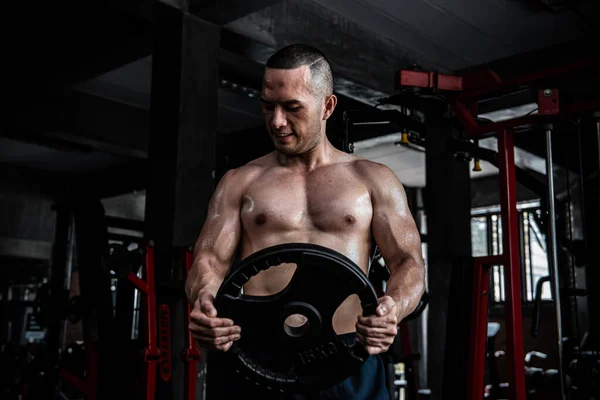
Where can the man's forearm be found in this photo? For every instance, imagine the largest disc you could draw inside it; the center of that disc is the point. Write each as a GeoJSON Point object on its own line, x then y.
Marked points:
{"type": "Point", "coordinates": [406, 285]}
{"type": "Point", "coordinates": [203, 276]}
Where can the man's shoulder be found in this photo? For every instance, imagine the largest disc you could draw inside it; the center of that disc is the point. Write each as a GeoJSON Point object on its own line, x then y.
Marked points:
{"type": "Point", "coordinates": [264, 162]}
{"type": "Point", "coordinates": [376, 176]}
{"type": "Point", "coordinates": [243, 173]}
{"type": "Point", "coordinates": [248, 171]}
{"type": "Point", "coordinates": [368, 168]}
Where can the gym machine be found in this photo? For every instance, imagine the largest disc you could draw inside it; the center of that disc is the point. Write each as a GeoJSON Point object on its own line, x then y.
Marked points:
{"type": "Point", "coordinates": [463, 94]}
{"type": "Point", "coordinates": [157, 350]}
{"type": "Point", "coordinates": [151, 352]}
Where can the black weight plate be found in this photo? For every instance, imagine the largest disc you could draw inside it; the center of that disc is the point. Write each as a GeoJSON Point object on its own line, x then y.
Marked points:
{"type": "Point", "coordinates": [314, 357]}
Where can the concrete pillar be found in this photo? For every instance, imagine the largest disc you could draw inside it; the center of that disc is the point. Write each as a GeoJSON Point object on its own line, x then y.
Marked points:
{"type": "Point", "coordinates": [448, 208]}
{"type": "Point", "coordinates": [183, 123]}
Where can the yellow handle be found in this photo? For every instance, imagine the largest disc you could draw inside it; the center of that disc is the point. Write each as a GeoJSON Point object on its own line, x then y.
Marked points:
{"type": "Point", "coordinates": [404, 139]}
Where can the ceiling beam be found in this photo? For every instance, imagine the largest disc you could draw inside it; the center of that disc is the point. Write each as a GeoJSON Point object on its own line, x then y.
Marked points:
{"type": "Point", "coordinates": [542, 59]}
{"type": "Point", "coordinates": [222, 12]}
{"type": "Point", "coordinates": [74, 119]}
{"type": "Point", "coordinates": [25, 248]}
{"type": "Point", "coordinates": [82, 121]}
{"type": "Point", "coordinates": [23, 180]}
{"type": "Point", "coordinates": [357, 55]}
{"type": "Point", "coordinates": [245, 58]}
{"type": "Point", "coordinates": [60, 186]}
{"type": "Point", "coordinates": [242, 60]}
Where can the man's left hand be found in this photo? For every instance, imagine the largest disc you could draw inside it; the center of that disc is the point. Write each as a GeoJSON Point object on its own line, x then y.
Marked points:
{"type": "Point", "coordinates": [377, 332]}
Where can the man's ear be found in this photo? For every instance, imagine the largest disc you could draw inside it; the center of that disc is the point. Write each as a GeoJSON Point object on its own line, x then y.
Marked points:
{"type": "Point", "coordinates": [330, 103]}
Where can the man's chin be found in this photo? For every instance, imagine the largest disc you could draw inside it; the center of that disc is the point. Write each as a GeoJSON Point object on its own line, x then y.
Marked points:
{"type": "Point", "coordinates": [286, 151]}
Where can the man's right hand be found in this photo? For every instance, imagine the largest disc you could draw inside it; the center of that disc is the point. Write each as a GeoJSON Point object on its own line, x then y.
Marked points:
{"type": "Point", "coordinates": [211, 332]}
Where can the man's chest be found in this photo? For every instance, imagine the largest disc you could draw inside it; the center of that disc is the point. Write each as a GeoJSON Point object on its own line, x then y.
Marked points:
{"type": "Point", "coordinates": [320, 201]}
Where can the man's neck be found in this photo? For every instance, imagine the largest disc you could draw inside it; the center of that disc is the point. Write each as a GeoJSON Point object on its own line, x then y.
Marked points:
{"type": "Point", "coordinates": [322, 154]}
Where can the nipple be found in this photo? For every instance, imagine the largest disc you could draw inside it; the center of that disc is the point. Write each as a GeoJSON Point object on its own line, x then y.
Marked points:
{"type": "Point", "coordinates": [260, 219]}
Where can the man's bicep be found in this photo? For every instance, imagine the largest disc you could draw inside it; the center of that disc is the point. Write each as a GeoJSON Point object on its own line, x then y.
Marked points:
{"type": "Point", "coordinates": [220, 235]}
{"type": "Point", "coordinates": [394, 228]}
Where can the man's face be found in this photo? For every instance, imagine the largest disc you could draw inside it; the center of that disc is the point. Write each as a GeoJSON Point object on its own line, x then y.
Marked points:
{"type": "Point", "coordinates": [293, 113]}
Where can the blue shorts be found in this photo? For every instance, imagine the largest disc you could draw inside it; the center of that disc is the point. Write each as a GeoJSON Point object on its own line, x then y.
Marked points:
{"type": "Point", "coordinates": [370, 383]}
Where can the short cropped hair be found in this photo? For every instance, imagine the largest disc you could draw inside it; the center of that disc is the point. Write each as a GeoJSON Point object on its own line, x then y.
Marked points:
{"type": "Point", "coordinates": [298, 55]}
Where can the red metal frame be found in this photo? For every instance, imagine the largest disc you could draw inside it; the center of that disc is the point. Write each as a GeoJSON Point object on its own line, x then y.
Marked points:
{"type": "Point", "coordinates": [591, 105]}
{"type": "Point", "coordinates": [548, 102]}
{"type": "Point", "coordinates": [191, 354]}
{"type": "Point", "coordinates": [463, 95]}
{"type": "Point", "coordinates": [164, 340]}
{"type": "Point", "coordinates": [512, 265]}
{"type": "Point", "coordinates": [467, 119]}
{"type": "Point", "coordinates": [485, 83]}
{"type": "Point", "coordinates": [480, 92]}
{"type": "Point", "coordinates": [151, 350]}
{"type": "Point", "coordinates": [512, 284]}
{"type": "Point", "coordinates": [429, 80]}
{"type": "Point", "coordinates": [87, 386]}
{"type": "Point", "coordinates": [481, 284]}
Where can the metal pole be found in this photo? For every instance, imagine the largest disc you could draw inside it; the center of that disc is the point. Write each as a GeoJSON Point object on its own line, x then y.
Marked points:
{"type": "Point", "coordinates": [423, 365]}
{"type": "Point", "coordinates": [597, 116]}
{"type": "Point", "coordinates": [68, 273]}
{"type": "Point", "coordinates": [478, 334]}
{"type": "Point", "coordinates": [552, 254]}
{"type": "Point", "coordinates": [512, 265]}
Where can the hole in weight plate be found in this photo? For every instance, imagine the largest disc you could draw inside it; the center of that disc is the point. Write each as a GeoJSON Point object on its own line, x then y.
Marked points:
{"type": "Point", "coordinates": [296, 325]}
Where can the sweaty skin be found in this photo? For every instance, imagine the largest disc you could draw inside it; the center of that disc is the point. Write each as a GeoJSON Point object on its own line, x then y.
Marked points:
{"type": "Point", "coordinates": [306, 191]}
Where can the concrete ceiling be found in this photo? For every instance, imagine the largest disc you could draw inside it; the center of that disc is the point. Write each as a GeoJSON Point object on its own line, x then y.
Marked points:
{"type": "Point", "coordinates": [71, 161]}
{"type": "Point", "coordinates": [132, 84]}
{"type": "Point", "coordinates": [367, 42]}
{"type": "Point", "coordinates": [458, 34]}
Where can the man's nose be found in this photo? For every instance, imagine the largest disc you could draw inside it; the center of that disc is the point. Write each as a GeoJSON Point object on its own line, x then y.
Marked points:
{"type": "Point", "coordinates": [279, 120]}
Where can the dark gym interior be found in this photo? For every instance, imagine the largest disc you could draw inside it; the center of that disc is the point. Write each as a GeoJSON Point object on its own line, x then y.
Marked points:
{"type": "Point", "coordinates": [121, 118]}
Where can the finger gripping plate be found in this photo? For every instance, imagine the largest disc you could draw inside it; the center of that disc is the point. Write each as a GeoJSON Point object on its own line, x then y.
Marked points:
{"type": "Point", "coordinates": [313, 357]}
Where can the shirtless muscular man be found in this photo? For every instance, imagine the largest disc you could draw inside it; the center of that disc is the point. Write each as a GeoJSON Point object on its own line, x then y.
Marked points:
{"type": "Point", "coordinates": [308, 191]}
